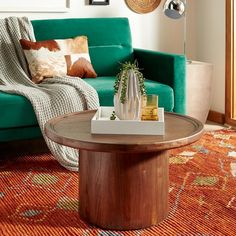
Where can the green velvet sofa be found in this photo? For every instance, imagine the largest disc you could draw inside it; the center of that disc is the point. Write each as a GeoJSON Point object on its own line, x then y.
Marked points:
{"type": "Point", "coordinates": [109, 44]}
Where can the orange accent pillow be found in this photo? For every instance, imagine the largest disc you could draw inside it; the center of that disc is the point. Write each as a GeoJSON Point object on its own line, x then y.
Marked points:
{"type": "Point", "coordinates": [59, 57]}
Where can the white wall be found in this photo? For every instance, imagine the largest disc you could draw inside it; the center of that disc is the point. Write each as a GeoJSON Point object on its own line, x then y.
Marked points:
{"type": "Point", "coordinates": [205, 41]}
{"type": "Point", "coordinates": [210, 45]}
{"type": "Point", "coordinates": [205, 32]}
{"type": "Point", "coordinates": [151, 30]}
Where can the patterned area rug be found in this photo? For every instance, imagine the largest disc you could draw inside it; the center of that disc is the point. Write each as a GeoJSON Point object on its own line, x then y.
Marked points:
{"type": "Point", "coordinates": [38, 197]}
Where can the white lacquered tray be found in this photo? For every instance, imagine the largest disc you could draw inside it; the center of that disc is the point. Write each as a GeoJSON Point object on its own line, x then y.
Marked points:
{"type": "Point", "coordinates": [101, 124]}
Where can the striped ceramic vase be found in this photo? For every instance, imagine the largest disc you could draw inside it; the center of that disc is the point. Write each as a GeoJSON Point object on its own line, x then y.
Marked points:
{"type": "Point", "coordinates": [130, 109]}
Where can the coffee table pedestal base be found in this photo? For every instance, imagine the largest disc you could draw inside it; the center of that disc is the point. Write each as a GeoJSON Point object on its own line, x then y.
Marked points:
{"type": "Point", "coordinates": [123, 191]}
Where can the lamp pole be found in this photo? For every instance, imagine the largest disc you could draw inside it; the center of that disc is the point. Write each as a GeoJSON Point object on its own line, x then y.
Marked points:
{"type": "Point", "coordinates": [176, 9]}
{"type": "Point", "coordinates": [185, 27]}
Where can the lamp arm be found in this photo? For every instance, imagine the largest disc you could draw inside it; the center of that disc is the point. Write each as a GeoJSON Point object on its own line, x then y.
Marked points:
{"type": "Point", "coordinates": [185, 28]}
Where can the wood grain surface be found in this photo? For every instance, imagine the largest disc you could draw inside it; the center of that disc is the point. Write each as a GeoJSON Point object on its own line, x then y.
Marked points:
{"type": "Point", "coordinates": [73, 130]}
{"type": "Point", "coordinates": [124, 179]}
{"type": "Point", "coordinates": [123, 191]}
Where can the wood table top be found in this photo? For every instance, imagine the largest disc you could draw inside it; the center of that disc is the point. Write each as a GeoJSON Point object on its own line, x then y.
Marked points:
{"type": "Point", "coordinates": [73, 130]}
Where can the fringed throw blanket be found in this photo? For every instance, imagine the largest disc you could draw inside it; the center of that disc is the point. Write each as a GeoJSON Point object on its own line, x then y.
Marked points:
{"type": "Point", "coordinates": [53, 97]}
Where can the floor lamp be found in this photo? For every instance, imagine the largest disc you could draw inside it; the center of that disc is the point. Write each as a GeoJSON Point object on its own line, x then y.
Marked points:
{"type": "Point", "coordinates": [176, 9]}
{"type": "Point", "coordinates": [199, 74]}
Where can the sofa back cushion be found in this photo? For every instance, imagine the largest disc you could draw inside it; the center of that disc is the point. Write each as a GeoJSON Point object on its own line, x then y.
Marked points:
{"type": "Point", "coordinates": [109, 39]}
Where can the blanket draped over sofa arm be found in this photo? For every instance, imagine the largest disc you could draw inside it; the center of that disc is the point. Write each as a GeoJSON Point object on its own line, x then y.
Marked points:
{"type": "Point", "coordinates": [54, 97]}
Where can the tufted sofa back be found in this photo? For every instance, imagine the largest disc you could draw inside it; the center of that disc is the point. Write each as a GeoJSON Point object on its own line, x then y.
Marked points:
{"type": "Point", "coordinates": [109, 39]}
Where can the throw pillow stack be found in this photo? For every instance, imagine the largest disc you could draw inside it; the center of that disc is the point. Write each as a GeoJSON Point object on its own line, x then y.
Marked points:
{"type": "Point", "coordinates": [58, 57]}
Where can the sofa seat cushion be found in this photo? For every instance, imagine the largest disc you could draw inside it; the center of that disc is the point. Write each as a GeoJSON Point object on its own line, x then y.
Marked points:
{"type": "Point", "coordinates": [16, 111]}
{"type": "Point", "coordinates": [105, 89]}
{"type": "Point", "coordinates": [19, 133]}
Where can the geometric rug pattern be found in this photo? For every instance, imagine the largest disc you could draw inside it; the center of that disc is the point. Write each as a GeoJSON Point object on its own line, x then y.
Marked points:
{"type": "Point", "coordinates": [39, 197]}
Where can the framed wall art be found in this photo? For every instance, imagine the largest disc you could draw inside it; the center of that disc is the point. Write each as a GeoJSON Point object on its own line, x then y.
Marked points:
{"type": "Point", "coordinates": [98, 2]}
{"type": "Point", "coordinates": [34, 6]}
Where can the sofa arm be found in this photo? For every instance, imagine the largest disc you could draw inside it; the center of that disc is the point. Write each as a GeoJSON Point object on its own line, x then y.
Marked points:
{"type": "Point", "coordinates": [169, 69]}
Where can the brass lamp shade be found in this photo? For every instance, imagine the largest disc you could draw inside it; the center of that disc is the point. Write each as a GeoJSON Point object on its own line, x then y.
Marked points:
{"type": "Point", "coordinates": [174, 9]}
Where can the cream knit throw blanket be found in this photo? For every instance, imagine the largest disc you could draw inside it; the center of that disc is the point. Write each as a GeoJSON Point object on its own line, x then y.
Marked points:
{"type": "Point", "coordinates": [53, 97]}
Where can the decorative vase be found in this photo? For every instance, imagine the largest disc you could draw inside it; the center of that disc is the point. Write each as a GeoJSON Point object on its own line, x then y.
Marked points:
{"type": "Point", "coordinates": [128, 88]}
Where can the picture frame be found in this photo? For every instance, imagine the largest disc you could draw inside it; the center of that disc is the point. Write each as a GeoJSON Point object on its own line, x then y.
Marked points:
{"type": "Point", "coordinates": [99, 2]}
{"type": "Point", "coordinates": [35, 6]}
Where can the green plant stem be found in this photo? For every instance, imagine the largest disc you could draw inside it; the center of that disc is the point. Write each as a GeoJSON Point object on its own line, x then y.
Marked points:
{"type": "Point", "coordinates": [122, 78]}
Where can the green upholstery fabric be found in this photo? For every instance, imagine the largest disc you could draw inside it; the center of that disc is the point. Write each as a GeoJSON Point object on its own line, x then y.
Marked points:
{"type": "Point", "coordinates": [20, 133]}
{"type": "Point", "coordinates": [106, 91]}
{"type": "Point", "coordinates": [16, 111]}
{"type": "Point", "coordinates": [109, 43]}
{"type": "Point", "coordinates": [165, 94]}
{"type": "Point", "coordinates": [109, 39]}
{"type": "Point", "coordinates": [22, 113]}
{"type": "Point", "coordinates": [167, 69]}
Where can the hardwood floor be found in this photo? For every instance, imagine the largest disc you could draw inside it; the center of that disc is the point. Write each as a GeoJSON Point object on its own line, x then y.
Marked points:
{"type": "Point", "coordinates": [211, 126]}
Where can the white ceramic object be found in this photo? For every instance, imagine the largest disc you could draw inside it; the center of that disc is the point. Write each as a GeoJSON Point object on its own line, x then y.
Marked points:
{"type": "Point", "coordinates": [130, 109]}
{"type": "Point", "coordinates": [101, 124]}
{"type": "Point", "coordinates": [199, 86]}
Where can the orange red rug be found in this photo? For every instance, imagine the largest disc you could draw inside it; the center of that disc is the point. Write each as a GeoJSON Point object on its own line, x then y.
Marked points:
{"type": "Point", "coordinates": [39, 197]}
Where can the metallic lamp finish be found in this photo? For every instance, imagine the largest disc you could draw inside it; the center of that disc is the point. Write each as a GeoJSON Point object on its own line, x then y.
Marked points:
{"type": "Point", "coordinates": [174, 9]}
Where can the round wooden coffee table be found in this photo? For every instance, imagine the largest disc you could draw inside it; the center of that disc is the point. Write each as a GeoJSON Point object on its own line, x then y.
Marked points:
{"type": "Point", "coordinates": [124, 179]}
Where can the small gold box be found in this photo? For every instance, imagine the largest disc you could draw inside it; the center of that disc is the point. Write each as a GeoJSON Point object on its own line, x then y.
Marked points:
{"type": "Point", "coordinates": [149, 107]}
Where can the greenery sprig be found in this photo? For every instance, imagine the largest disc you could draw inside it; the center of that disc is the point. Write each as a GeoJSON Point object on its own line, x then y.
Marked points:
{"type": "Point", "coordinates": [122, 77]}
{"type": "Point", "coordinates": [113, 116]}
